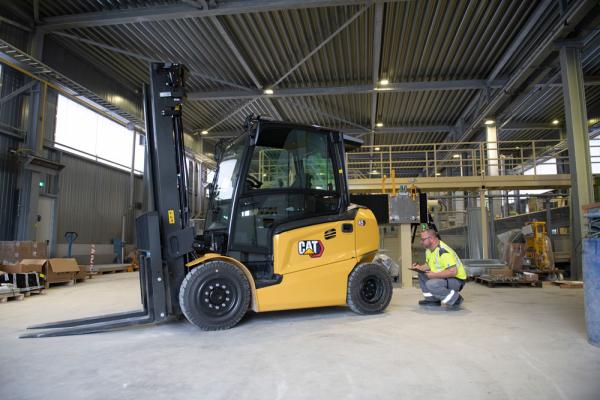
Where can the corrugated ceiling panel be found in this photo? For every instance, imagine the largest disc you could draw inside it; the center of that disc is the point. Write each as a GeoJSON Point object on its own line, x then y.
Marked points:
{"type": "Point", "coordinates": [275, 42]}
{"type": "Point", "coordinates": [422, 108]}
{"type": "Point", "coordinates": [446, 43]}
{"type": "Point", "coordinates": [49, 8]}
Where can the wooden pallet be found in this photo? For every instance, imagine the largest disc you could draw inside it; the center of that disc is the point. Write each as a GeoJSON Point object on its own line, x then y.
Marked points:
{"type": "Point", "coordinates": [33, 291]}
{"type": "Point", "coordinates": [568, 284]}
{"type": "Point", "coordinates": [4, 297]}
{"type": "Point", "coordinates": [110, 271]}
{"type": "Point", "coordinates": [547, 274]}
{"type": "Point", "coordinates": [492, 282]}
{"type": "Point", "coordinates": [65, 282]}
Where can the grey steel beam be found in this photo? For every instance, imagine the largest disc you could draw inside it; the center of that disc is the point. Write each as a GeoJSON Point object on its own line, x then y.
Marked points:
{"type": "Point", "coordinates": [236, 52]}
{"type": "Point", "coordinates": [351, 89]}
{"type": "Point", "coordinates": [17, 92]}
{"type": "Point", "coordinates": [146, 59]}
{"type": "Point", "coordinates": [579, 150]}
{"type": "Point", "coordinates": [310, 54]}
{"type": "Point", "coordinates": [317, 48]}
{"type": "Point", "coordinates": [377, 39]}
{"type": "Point", "coordinates": [34, 68]}
{"type": "Point", "coordinates": [29, 191]}
{"type": "Point", "coordinates": [565, 25]}
{"type": "Point", "coordinates": [523, 35]}
{"type": "Point", "coordinates": [359, 128]}
{"type": "Point", "coordinates": [178, 11]}
{"type": "Point", "coordinates": [15, 23]}
{"type": "Point", "coordinates": [231, 114]}
{"type": "Point", "coordinates": [240, 58]}
{"type": "Point", "coordinates": [519, 126]}
{"type": "Point", "coordinates": [404, 129]}
{"type": "Point", "coordinates": [36, 11]}
{"type": "Point", "coordinates": [106, 47]}
{"type": "Point", "coordinates": [587, 81]}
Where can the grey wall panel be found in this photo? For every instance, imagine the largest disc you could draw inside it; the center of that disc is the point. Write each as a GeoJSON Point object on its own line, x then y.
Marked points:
{"type": "Point", "coordinates": [92, 77]}
{"type": "Point", "coordinates": [15, 36]}
{"type": "Point", "coordinates": [8, 187]}
{"type": "Point", "coordinates": [13, 112]}
{"type": "Point", "coordinates": [92, 200]}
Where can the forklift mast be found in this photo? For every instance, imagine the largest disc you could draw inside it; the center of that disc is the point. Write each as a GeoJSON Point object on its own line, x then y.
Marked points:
{"type": "Point", "coordinates": [167, 179]}
{"type": "Point", "coordinates": [164, 238]}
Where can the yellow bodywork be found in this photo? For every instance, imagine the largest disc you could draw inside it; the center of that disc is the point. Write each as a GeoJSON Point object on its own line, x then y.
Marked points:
{"type": "Point", "coordinates": [315, 281]}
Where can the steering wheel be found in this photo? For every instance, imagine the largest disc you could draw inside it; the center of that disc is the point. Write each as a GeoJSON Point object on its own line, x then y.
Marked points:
{"type": "Point", "coordinates": [253, 183]}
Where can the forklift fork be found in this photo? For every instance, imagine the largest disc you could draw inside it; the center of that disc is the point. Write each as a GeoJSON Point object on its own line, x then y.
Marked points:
{"type": "Point", "coordinates": [153, 292]}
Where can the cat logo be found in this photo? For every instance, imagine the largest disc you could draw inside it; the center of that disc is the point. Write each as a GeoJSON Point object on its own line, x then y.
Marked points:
{"type": "Point", "coordinates": [312, 248]}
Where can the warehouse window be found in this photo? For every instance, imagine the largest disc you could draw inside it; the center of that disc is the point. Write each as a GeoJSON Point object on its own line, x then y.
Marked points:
{"type": "Point", "coordinates": [84, 132]}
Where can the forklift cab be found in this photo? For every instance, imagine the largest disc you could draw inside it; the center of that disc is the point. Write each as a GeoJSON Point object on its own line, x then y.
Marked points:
{"type": "Point", "coordinates": [273, 174]}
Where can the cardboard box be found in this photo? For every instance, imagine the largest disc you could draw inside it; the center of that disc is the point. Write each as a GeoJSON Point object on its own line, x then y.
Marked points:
{"type": "Point", "coordinates": [517, 252]}
{"type": "Point", "coordinates": [27, 265]}
{"type": "Point", "coordinates": [61, 270]}
{"type": "Point", "coordinates": [13, 252]}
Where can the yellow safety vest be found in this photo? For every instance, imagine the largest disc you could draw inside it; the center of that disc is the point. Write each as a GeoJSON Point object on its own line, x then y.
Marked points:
{"type": "Point", "coordinates": [443, 257]}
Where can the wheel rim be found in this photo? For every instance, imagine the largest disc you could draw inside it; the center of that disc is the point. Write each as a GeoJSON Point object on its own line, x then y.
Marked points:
{"type": "Point", "coordinates": [216, 297]}
{"type": "Point", "coordinates": [371, 289]}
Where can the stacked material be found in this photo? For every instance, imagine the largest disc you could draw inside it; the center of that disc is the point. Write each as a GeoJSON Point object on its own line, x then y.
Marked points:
{"type": "Point", "coordinates": [593, 215]}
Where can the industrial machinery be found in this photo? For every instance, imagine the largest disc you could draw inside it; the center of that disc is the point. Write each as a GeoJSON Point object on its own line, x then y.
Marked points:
{"type": "Point", "coordinates": [280, 232]}
{"type": "Point", "coordinates": [538, 248]}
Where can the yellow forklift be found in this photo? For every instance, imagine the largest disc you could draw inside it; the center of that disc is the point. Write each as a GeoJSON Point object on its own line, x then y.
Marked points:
{"type": "Point", "coordinates": [280, 232]}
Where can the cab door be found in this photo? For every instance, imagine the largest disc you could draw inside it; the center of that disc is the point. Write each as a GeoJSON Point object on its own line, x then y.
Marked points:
{"type": "Point", "coordinates": [290, 176]}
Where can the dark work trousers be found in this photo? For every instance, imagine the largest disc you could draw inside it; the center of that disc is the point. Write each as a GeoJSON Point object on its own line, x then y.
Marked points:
{"type": "Point", "coordinates": [445, 290]}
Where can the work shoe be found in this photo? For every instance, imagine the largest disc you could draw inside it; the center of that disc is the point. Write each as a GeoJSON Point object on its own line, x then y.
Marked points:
{"type": "Point", "coordinates": [456, 305]}
{"type": "Point", "coordinates": [432, 302]}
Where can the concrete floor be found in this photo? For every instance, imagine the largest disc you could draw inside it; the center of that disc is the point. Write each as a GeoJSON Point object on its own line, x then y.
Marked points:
{"type": "Point", "coordinates": [508, 343]}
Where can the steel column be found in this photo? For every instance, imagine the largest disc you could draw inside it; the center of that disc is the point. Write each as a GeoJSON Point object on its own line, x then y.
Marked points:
{"type": "Point", "coordinates": [485, 242]}
{"type": "Point", "coordinates": [405, 237]}
{"type": "Point", "coordinates": [579, 148]}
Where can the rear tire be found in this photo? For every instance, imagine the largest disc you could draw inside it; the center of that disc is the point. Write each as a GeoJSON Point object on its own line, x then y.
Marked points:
{"type": "Point", "coordinates": [215, 295]}
{"type": "Point", "coordinates": [369, 289]}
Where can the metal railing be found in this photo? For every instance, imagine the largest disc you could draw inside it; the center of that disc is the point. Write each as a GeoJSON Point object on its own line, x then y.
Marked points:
{"type": "Point", "coordinates": [515, 157]}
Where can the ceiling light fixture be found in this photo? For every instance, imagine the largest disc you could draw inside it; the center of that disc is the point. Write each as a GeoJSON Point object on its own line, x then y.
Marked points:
{"type": "Point", "coordinates": [555, 122]}
{"type": "Point", "coordinates": [377, 149]}
{"type": "Point", "coordinates": [489, 122]}
{"type": "Point", "coordinates": [379, 124]}
{"type": "Point", "coordinates": [384, 82]}
{"type": "Point", "coordinates": [204, 132]}
{"type": "Point", "coordinates": [268, 91]}
{"type": "Point", "coordinates": [456, 156]}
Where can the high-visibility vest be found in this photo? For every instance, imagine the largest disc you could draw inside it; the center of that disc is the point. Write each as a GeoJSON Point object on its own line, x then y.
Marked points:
{"type": "Point", "coordinates": [443, 257]}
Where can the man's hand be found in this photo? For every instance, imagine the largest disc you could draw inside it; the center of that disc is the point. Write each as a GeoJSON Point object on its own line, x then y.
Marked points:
{"type": "Point", "coordinates": [420, 267]}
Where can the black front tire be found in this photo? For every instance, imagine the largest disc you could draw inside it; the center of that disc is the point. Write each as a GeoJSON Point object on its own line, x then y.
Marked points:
{"type": "Point", "coordinates": [369, 289]}
{"type": "Point", "coordinates": [215, 295]}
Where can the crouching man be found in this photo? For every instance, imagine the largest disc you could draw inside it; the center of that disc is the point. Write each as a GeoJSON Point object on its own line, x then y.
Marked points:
{"type": "Point", "coordinates": [442, 276]}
